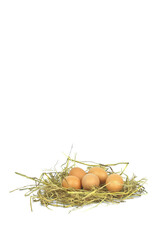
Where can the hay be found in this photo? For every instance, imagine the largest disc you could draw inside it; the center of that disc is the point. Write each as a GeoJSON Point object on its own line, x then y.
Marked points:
{"type": "Point", "coordinates": [48, 190]}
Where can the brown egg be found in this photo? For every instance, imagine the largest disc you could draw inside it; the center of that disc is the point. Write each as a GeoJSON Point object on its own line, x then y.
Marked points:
{"type": "Point", "coordinates": [78, 172]}
{"type": "Point", "coordinates": [71, 182]}
{"type": "Point", "coordinates": [99, 172]}
{"type": "Point", "coordinates": [90, 180]}
{"type": "Point", "coordinates": [114, 183]}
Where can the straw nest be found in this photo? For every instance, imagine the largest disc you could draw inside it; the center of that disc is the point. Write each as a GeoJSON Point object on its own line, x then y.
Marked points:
{"type": "Point", "coordinates": [48, 190]}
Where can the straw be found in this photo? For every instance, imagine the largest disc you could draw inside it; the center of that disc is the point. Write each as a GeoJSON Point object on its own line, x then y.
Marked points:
{"type": "Point", "coordinates": [48, 189]}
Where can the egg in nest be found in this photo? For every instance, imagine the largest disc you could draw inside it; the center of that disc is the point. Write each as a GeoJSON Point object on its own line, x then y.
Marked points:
{"type": "Point", "coordinates": [71, 182]}
{"type": "Point", "coordinates": [78, 172]}
{"type": "Point", "coordinates": [90, 180]}
{"type": "Point", "coordinates": [114, 183]}
{"type": "Point", "coordinates": [99, 172]}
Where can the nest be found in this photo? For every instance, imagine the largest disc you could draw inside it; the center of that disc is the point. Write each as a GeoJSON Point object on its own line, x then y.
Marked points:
{"type": "Point", "coordinates": [48, 190]}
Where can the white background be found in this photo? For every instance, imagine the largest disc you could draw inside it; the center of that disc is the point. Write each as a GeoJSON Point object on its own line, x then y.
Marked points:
{"type": "Point", "coordinates": [85, 73]}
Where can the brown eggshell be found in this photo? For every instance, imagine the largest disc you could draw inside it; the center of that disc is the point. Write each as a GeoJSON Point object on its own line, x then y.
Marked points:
{"type": "Point", "coordinates": [99, 172]}
{"type": "Point", "coordinates": [71, 182]}
{"type": "Point", "coordinates": [90, 180]}
{"type": "Point", "coordinates": [114, 183]}
{"type": "Point", "coordinates": [78, 172]}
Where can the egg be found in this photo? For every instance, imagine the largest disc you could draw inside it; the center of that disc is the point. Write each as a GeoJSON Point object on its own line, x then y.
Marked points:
{"type": "Point", "coordinates": [71, 182]}
{"type": "Point", "coordinates": [78, 172]}
{"type": "Point", "coordinates": [114, 183]}
{"type": "Point", "coordinates": [90, 180]}
{"type": "Point", "coordinates": [99, 172]}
